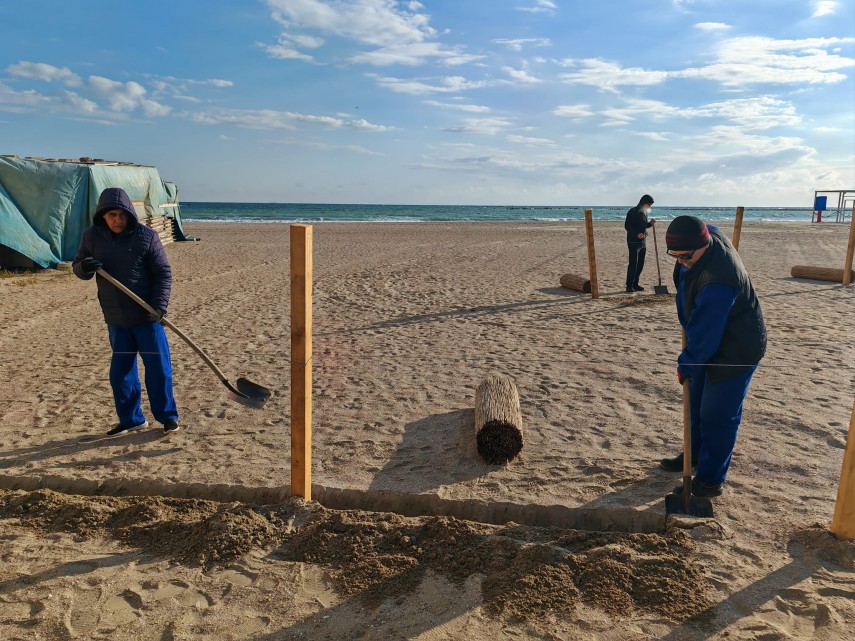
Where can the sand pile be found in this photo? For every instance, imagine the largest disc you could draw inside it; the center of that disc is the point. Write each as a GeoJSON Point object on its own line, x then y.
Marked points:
{"type": "Point", "coordinates": [527, 572]}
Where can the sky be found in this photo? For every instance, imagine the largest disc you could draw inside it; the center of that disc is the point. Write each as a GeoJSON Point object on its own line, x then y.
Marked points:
{"type": "Point", "coordinates": [468, 102]}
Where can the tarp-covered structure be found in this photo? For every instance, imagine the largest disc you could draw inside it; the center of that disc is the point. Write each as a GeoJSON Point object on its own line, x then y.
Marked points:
{"type": "Point", "coordinates": [45, 205]}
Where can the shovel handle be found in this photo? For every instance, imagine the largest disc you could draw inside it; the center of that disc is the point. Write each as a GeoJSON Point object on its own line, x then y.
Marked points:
{"type": "Point", "coordinates": [151, 310]}
{"type": "Point", "coordinates": [656, 251]}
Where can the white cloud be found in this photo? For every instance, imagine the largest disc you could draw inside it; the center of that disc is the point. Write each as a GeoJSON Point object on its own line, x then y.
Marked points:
{"type": "Point", "coordinates": [356, 149]}
{"type": "Point", "coordinates": [414, 53]}
{"type": "Point", "coordinates": [44, 72]}
{"type": "Point", "coordinates": [712, 26]}
{"type": "Point", "coordinates": [458, 106]}
{"type": "Point", "coordinates": [761, 112]}
{"type": "Point", "coordinates": [487, 126]}
{"type": "Point", "coordinates": [395, 33]}
{"type": "Point", "coordinates": [521, 75]}
{"type": "Point", "coordinates": [653, 135]}
{"type": "Point", "coordinates": [824, 8]}
{"type": "Point", "coordinates": [609, 75]}
{"type": "Point", "coordinates": [573, 111]}
{"type": "Point", "coordinates": [517, 44]}
{"type": "Point", "coordinates": [448, 84]}
{"type": "Point", "coordinates": [756, 60]}
{"type": "Point", "coordinates": [528, 140]}
{"type": "Point", "coordinates": [540, 6]}
{"type": "Point", "coordinates": [272, 119]}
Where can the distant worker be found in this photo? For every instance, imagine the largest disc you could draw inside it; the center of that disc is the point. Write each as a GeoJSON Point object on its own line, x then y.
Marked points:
{"type": "Point", "coordinates": [133, 254]}
{"type": "Point", "coordinates": [636, 225]}
{"type": "Point", "coordinates": [725, 340]}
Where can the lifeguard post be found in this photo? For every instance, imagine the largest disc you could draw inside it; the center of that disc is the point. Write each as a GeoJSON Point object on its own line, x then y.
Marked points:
{"type": "Point", "coordinates": [845, 200]}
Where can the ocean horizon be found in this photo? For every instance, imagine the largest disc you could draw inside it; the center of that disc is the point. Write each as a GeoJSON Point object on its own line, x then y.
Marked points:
{"type": "Point", "coordinates": [227, 212]}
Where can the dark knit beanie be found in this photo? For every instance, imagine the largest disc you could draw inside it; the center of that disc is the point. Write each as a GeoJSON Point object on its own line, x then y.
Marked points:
{"type": "Point", "coordinates": [686, 233]}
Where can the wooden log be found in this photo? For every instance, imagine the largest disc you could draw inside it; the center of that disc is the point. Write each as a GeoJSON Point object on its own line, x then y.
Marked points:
{"type": "Point", "coordinates": [498, 420]}
{"type": "Point", "coordinates": [579, 283]}
{"type": "Point", "coordinates": [850, 251]}
{"type": "Point", "coordinates": [820, 273]}
{"type": "Point", "coordinates": [301, 361]}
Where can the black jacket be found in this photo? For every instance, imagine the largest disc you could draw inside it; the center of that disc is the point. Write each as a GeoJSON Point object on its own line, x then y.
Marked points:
{"type": "Point", "coordinates": [636, 223]}
{"type": "Point", "coordinates": [135, 258]}
{"type": "Point", "coordinates": [744, 338]}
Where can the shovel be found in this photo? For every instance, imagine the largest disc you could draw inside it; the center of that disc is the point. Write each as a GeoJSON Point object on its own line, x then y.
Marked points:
{"type": "Point", "coordinates": [685, 503]}
{"type": "Point", "coordinates": [243, 391]}
{"type": "Point", "coordinates": [660, 288]}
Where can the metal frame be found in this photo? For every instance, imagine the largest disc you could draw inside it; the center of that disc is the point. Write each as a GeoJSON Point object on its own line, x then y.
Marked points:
{"type": "Point", "coordinates": [845, 201]}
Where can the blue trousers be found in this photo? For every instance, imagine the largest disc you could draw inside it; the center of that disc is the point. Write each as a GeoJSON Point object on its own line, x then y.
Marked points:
{"type": "Point", "coordinates": [149, 341]}
{"type": "Point", "coordinates": [716, 411]}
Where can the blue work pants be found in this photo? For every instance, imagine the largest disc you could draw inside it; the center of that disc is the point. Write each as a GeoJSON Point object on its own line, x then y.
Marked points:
{"type": "Point", "coordinates": [149, 341]}
{"type": "Point", "coordinates": [716, 411]}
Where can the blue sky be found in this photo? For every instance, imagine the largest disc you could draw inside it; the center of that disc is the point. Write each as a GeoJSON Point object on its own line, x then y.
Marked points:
{"type": "Point", "coordinates": [541, 102]}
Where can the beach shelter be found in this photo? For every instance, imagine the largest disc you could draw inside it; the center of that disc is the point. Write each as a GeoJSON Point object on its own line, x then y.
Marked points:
{"type": "Point", "coordinates": [45, 205]}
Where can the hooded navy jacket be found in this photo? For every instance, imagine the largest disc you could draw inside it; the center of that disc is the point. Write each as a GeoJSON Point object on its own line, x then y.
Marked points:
{"type": "Point", "coordinates": [135, 258]}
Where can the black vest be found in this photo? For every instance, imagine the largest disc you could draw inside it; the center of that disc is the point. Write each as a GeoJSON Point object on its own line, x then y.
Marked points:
{"type": "Point", "coordinates": [744, 338]}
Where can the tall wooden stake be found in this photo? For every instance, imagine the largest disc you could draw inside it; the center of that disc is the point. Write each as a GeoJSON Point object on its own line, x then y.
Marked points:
{"type": "Point", "coordinates": [592, 258]}
{"type": "Point", "coordinates": [737, 227]}
{"type": "Point", "coordinates": [850, 250]}
{"type": "Point", "coordinates": [843, 523]}
{"type": "Point", "coordinates": [301, 361]}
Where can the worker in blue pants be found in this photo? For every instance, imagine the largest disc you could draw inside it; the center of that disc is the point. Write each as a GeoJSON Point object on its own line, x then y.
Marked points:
{"type": "Point", "coordinates": [149, 341]}
{"type": "Point", "coordinates": [725, 340]}
{"type": "Point", "coordinates": [716, 411]}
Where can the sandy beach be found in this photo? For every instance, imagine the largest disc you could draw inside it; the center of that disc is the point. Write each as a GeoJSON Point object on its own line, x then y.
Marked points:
{"type": "Point", "coordinates": [408, 319]}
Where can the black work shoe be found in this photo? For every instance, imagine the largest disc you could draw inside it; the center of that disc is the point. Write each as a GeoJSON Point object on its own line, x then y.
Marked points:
{"type": "Point", "coordinates": [699, 488]}
{"type": "Point", "coordinates": [120, 429]}
{"type": "Point", "coordinates": [630, 290]}
{"type": "Point", "coordinates": [676, 464]}
{"type": "Point", "coordinates": [170, 426]}
{"type": "Point", "coordinates": [637, 288]}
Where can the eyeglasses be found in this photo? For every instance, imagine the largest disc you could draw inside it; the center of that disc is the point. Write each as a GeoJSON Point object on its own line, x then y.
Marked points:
{"type": "Point", "coordinates": [685, 256]}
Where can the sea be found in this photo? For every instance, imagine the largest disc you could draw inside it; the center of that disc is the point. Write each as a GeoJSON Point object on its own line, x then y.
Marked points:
{"type": "Point", "coordinates": [330, 213]}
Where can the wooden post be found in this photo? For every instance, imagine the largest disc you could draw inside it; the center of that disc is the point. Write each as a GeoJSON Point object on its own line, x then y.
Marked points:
{"type": "Point", "coordinates": [737, 227]}
{"type": "Point", "coordinates": [301, 361]}
{"type": "Point", "coordinates": [850, 250]}
{"type": "Point", "coordinates": [592, 258]}
{"type": "Point", "coordinates": [843, 523]}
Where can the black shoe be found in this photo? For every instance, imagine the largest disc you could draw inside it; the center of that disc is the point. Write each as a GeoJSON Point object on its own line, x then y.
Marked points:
{"type": "Point", "coordinates": [699, 488]}
{"type": "Point", "coordinates": [676, 464]}
{"type": "Point", "coordinates": [120, 429]}
{"type": "Point", "coordinates": [170, 426]}
{"type": "Point", "coordinates": [630, 290]}
{"type": "Point", "coordinates": [637, 288]}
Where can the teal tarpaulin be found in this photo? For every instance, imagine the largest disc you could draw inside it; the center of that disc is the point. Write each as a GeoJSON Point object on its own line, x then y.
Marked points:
{"type": "Point", "coordinates": [45, 206]}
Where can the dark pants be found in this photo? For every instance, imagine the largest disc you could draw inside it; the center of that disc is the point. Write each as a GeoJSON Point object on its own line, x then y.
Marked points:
{"type": "Point", "coordinates": [149, 341]}
{"type": "Point", "coordinates": [637, 252]}
{"type": "Point", "coordinates": [716, 410]}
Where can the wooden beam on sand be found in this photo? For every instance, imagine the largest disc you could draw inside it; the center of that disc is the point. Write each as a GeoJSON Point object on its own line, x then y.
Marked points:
{"type": "Point", "coordinates": [843, 523]}
{"type": "Point", "coordinates": [737, 227]}
{"type": "Point", "coordinates": [592, 258]}
{"type": "Point", "coordinates": [821, 273]}
{"type": "Point", "coordinates": [850, 250]}
{"type": "Point", "coordinates": [301, 361]}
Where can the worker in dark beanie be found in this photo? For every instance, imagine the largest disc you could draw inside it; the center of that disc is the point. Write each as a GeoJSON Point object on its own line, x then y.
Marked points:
{"type": "Point", "coordinates": [725, 340]}
{"type": "Point", "coordinates": [636, 225]}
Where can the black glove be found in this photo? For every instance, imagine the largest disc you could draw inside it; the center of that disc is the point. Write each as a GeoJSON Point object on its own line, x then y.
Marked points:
{"type": "Point", "coordinates": [156, 318]}
{"type": "Point", "coordinates": [90, 265]}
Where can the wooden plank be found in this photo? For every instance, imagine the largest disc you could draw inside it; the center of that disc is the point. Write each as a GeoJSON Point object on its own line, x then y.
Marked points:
{"type": "Point", "coordinates": [592, 258]}
{"type": "Point", "coordinates": [301, 361]}
{"type": "Point", "coordinates": [737, 227]}
{"type": "Point", "coordinates": [843, 522]}
{"type": "Point", "coordinates": [850, 250]}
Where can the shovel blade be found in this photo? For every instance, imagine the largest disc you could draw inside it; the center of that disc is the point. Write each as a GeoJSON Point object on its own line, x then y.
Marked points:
{"type": "Point", "coordinates": [698, 506]}
{"type": "Point", "coordinates": [248, 393]}
{"type": "Point", "coordinates": [660, 289]}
